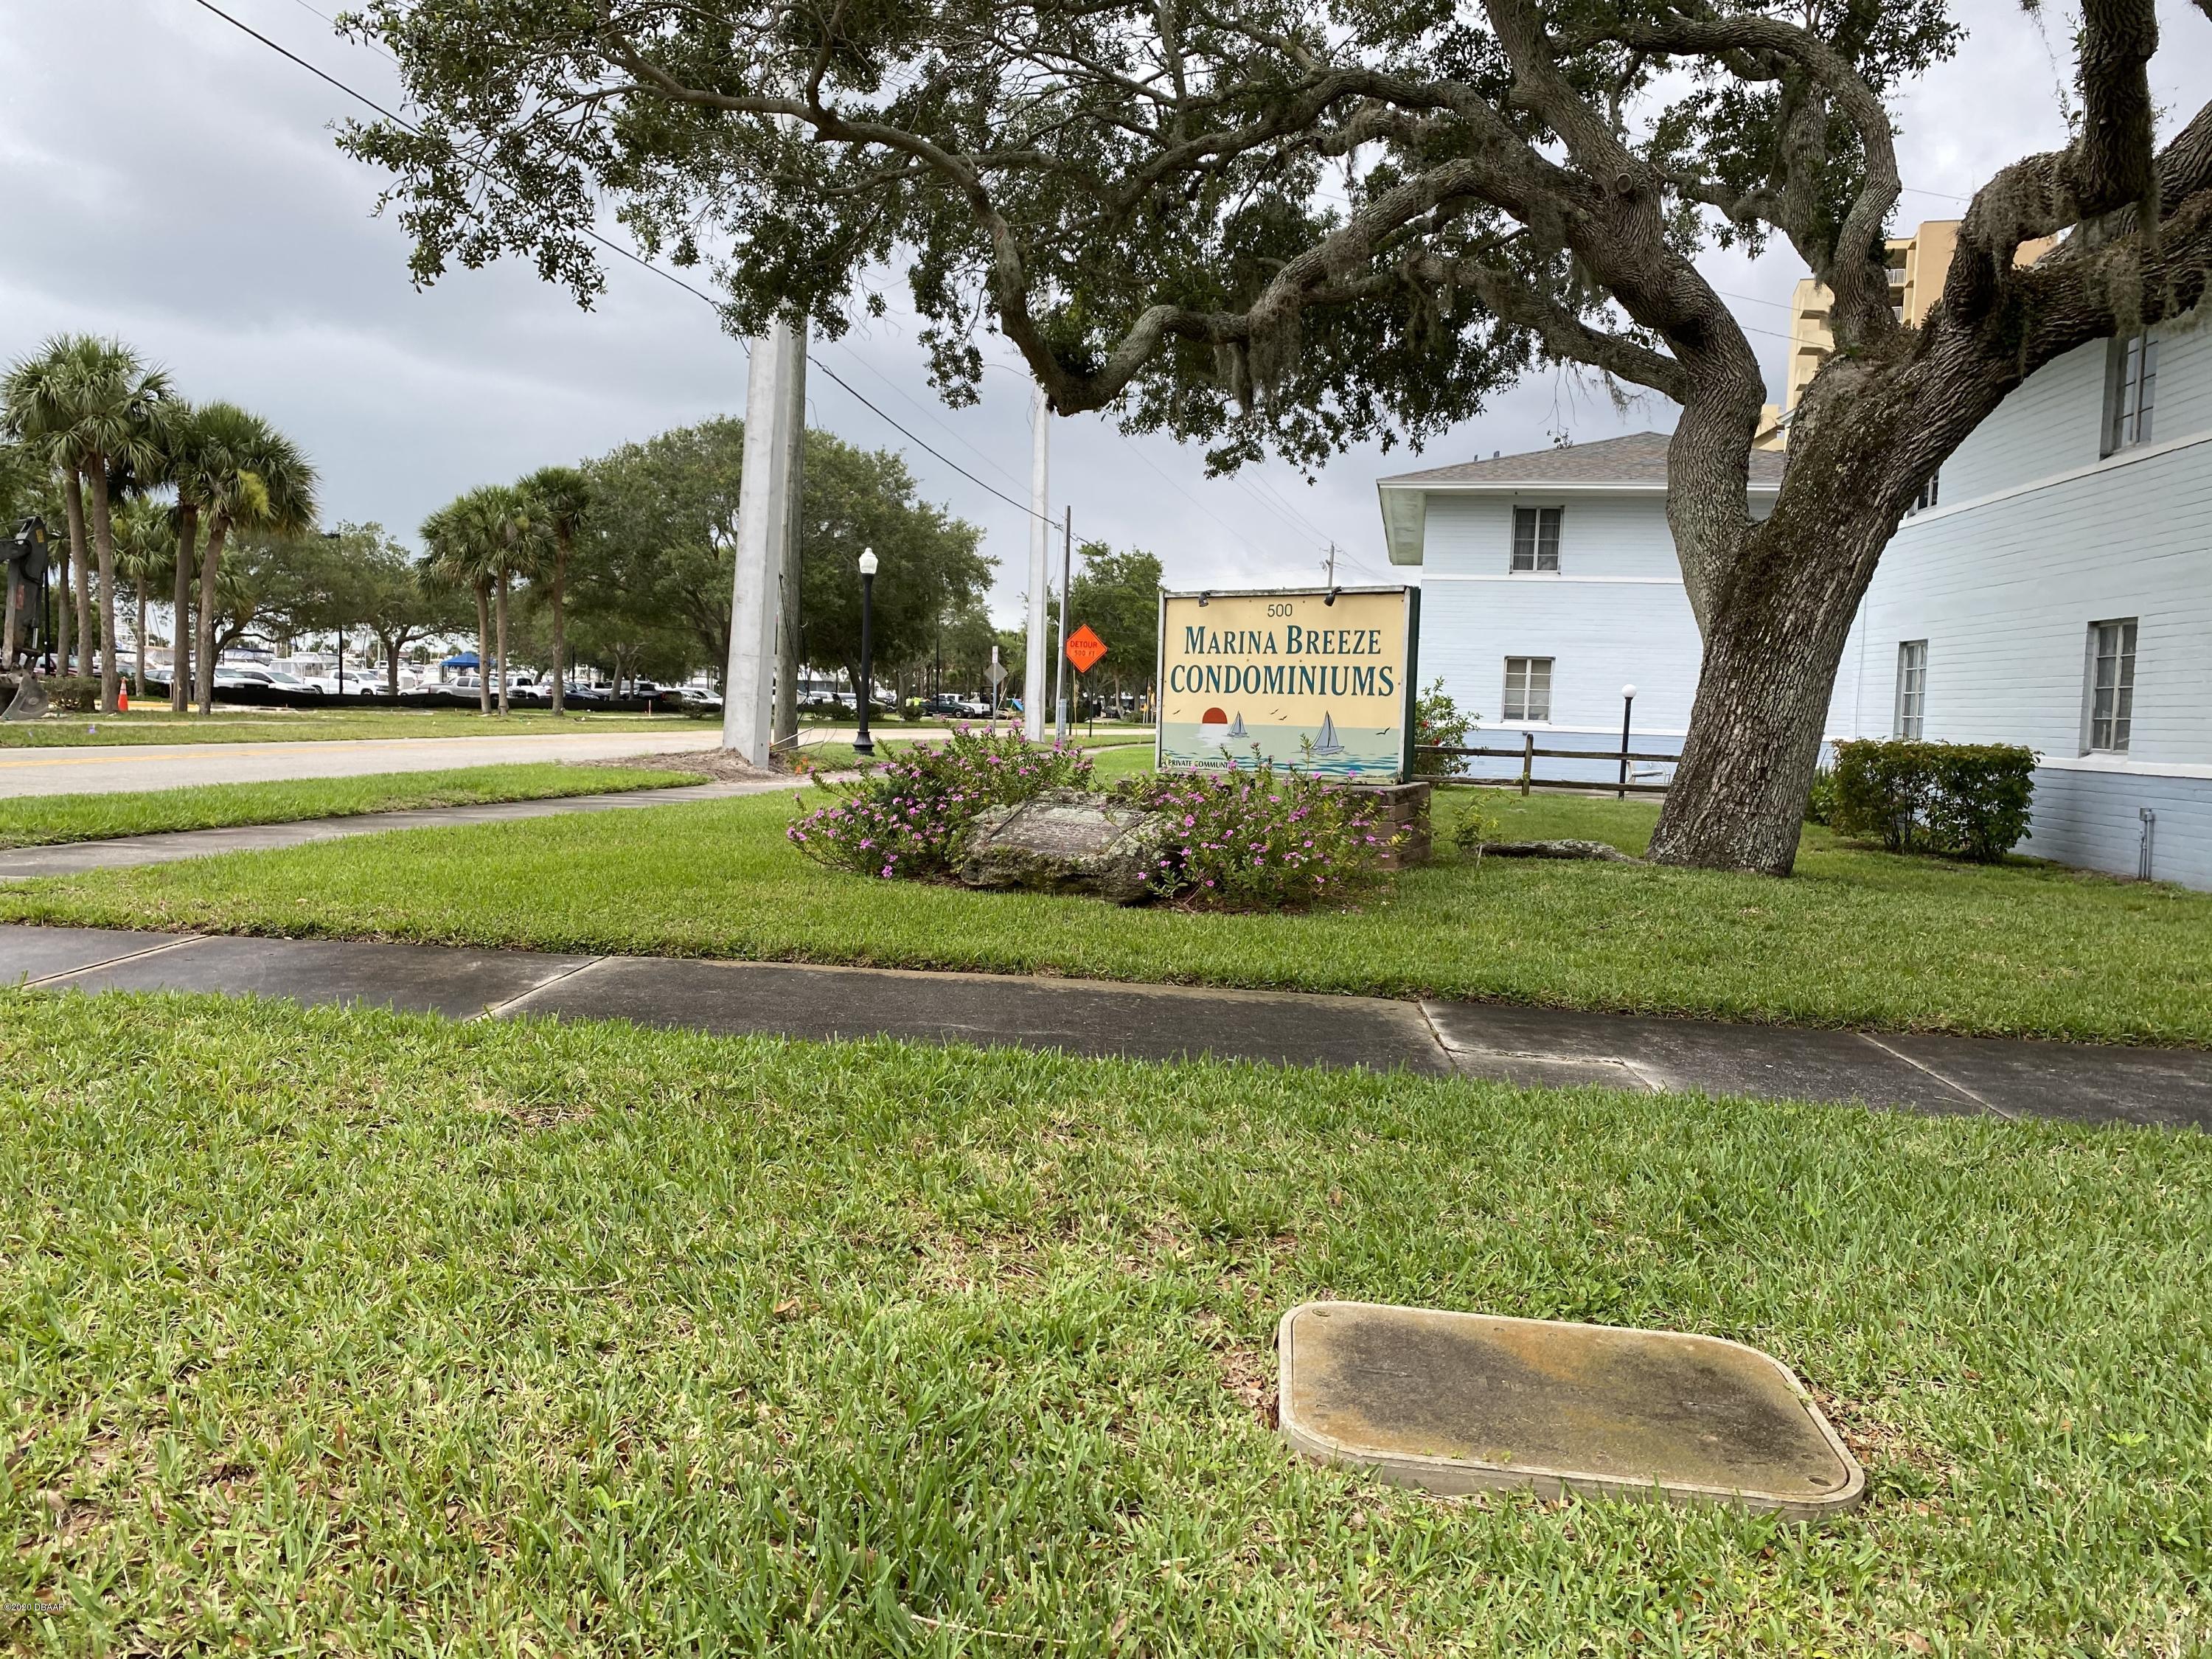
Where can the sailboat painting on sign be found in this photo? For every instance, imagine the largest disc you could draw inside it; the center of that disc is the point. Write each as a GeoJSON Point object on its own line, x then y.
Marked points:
{"type": "Point", "coordinates": [1327, 743]}
{"type": "Point", "coordinates": [1236, 732]}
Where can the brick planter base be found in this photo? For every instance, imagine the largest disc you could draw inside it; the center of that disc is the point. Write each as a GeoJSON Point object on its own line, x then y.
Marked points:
{"type": "Point", "coordinates": [1401, 808]}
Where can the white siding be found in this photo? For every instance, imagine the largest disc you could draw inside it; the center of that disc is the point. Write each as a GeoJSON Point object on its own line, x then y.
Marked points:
{"type": "Point", "coordinates": [1614, 613]}
{"type": "Point", "coordinates": [2055, 422]}
{"type": "Point", "coordinates": [2091, 818]}
{"type": "Point", "coordinates": [2038, 539]}
{"type": "Point", "coordinates": [2004, 593]}
{"type": "Point", "coordinates": [2050, 424]}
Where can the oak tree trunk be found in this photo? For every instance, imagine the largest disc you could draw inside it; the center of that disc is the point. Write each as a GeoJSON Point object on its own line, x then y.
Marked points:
{"type": "Point", "coordinates": [1773, 641]}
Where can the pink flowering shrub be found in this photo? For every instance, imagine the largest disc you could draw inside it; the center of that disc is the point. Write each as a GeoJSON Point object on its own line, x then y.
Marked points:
{"type": "Point", "coordinates": [1261, 840]}
{"type": "Point", "coordinates": [904, 818]}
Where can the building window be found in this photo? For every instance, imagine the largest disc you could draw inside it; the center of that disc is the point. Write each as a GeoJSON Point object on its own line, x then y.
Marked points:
{"type": "Point", "coordinates": [2134, 390]}
{"type": "Point", "coordinates": [2111, 688]}
{"type": "Point", "coordinates": [1528, 688]}
{"type": "Point", "coordinates": [1535, 538]}
{"type": "Point", "coordinates": [1930, 494]}
{"type": "Point", "coordinates": [1911, 686]}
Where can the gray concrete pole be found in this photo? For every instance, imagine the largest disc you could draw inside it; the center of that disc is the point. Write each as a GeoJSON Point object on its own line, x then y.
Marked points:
{"type": "Point", "coordinates": [764, 527]}
{"type": "Point", "coordinates": [795, 520]}
{"type": "Point", "coordinates": [1033, 676]}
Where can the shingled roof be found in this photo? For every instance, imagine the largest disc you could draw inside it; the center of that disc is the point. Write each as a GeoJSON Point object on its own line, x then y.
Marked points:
{"type": "Point", "coordinates": [1639, 458]}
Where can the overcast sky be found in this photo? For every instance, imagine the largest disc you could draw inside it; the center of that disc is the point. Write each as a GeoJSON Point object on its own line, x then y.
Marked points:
{"type": "Point", "coordinates": [166, 178]}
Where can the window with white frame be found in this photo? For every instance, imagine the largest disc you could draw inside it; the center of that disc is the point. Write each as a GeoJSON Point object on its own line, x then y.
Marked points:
{"type": "Point", "coordinates": [1536, 538]}
{"type": "Point", "coordinates": [1911, 687]}
{"type": "Point", "coordinates": [2133, 391]}
{"type": "Point", "coordinates": [2110, 697]}
{"type": "Point", "coordinates": [1528, 689]}
{"type": "Point", "coordinates": [1928, 495]}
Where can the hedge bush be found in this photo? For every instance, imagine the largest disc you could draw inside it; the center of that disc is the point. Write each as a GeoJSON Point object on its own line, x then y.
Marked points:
{"type": "Point", "coordinates": [1960, 800]}
{"type": "Point", "coordinates": [66, 694]}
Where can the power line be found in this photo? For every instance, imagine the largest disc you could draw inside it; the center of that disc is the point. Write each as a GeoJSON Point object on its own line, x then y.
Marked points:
{"type": "Point", "coordinates": [476, 167]}
{"type": "Point", "coordinates": [616, 247]}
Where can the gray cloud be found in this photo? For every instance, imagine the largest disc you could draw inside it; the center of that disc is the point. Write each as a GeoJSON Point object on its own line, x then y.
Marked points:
{"type": "Point", "coordinates": [165, 179]}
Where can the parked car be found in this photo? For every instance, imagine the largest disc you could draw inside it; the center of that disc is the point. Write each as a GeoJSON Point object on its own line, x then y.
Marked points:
{"type": "Point", "coordinates": [237, 676]}
{"type": "Point", "coordinates": [348, 683]}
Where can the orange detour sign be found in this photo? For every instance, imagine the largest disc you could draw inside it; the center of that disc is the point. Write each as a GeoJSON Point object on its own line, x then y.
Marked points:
{"type": "Point", "coordinates": [1085, 648]}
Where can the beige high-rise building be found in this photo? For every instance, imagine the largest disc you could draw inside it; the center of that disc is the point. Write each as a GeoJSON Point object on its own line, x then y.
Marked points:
{"type": "Point", "coordinates": [1917, 265]}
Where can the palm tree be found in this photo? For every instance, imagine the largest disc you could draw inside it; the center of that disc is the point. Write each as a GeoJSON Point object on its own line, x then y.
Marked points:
{"type": "Point", "coordinates": [99, 411]}
{"type": "Point", "coordinates": [254, 478]}
{"type": "Point", "coordinates": [461, 555]}
{"type": "Point", "coordinates": [519, 544]}
{"type": "Point", "coordinates": [191, 458]}
{"type": "Point", "coordinates": [560, 495]}
{"type": "Point", "coordinates": [32, 406]}
{"type": "Point", "coordinates": [145, 550]}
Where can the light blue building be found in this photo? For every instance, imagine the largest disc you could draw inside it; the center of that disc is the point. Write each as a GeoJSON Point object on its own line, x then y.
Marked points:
{"type": "Point", "coordinates": [2054, 590]}
{"type": "Point", "coordinates": [1548, 583]}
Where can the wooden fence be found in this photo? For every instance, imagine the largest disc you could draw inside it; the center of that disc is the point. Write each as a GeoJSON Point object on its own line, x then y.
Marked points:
{"type": "Point", "coordinates": [1527, 754]}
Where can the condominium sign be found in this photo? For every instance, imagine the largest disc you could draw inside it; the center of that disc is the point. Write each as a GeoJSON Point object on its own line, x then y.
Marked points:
{"type": "Point", "coordinates": [1319, 679]}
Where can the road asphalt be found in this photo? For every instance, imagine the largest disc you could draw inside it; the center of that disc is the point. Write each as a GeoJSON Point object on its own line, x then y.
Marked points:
{"type": "Point", "coordinates": [110, 769]}
{"type": "Point", "coordinates": [1549, 1047]}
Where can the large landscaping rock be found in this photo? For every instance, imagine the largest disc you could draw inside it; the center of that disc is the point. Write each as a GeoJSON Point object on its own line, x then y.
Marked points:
{"type": "Point", "coordinates": [1065, 841]}
{"type": "Point", "coordinates": [1558, 849]}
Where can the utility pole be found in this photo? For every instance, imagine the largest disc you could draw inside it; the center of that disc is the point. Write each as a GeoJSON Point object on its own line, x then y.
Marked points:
{"type": "Point", "coordinates": [1040, 558]}
{"type": "Point", "coordinates": [784, 726]}
{"type": "Point", "coordinates": [1332, 564]}
{"type": "Point", "coordinates": [766, 525]}
{"type": "Point", "coordinates": [1059, 678]}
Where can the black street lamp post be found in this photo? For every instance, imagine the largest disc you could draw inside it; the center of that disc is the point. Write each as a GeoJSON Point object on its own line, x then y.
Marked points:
{"type": "Point", "coordinates": [862, 744]}
{"type": "Point", "coordinates": [1627, 705]}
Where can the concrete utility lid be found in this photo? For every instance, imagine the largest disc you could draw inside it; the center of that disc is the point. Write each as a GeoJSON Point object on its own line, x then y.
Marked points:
{"type": "Point", "coordinates": [1459, 1402]}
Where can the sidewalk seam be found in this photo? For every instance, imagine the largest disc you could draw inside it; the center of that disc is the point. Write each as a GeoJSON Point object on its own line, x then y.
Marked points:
{"type": "Point", "coordinates": [1986, 1105]}
{"type": "Point", "coordinates": [494, 1011]}
{"type": "Point", "coordinates": [110, 962]}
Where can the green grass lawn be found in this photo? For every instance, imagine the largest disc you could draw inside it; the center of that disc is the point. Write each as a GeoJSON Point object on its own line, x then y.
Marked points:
{"type": "Point", "coordinates": [43, 820]}
{"type": "Point", "coordinates": [349, 1332]}
{"type": "Point", "coordinates": [148, 725]}
{"type": "Point", "coordinates": [1855, 937]}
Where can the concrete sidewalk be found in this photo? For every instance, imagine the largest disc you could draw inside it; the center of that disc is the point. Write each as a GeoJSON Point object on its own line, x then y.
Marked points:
{"type": "Point", "coordinates": [1544, 1047]}
{"type": "Point", "coordinates": [120, 852]}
